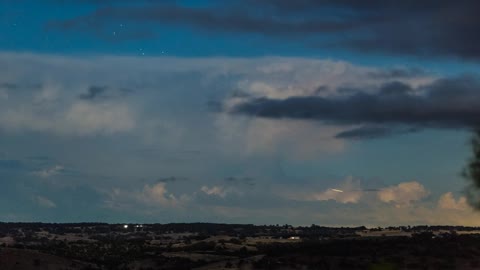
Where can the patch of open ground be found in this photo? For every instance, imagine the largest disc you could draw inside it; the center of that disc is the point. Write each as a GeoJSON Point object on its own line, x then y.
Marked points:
{"type": "Point", "coordinates": [24, 259]}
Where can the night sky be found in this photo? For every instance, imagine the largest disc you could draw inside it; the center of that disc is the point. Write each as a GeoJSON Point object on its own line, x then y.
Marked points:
{"type": "Point", "coordinates": [340, 112]}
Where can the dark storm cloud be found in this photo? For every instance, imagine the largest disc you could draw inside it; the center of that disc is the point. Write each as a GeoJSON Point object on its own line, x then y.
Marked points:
{"type": "Point", "coordinates": [228, 20]}
{"type": "Point", "coordinates": [419, 28]}
{"type": "Point", "coordinates": [93, 92]}
{"type": "Point", "coordinates": [96, 92]}
{"type": "Point", "coordinates": [372, 5]}
{"type": "Point", "coordinates": [240, 180]}
{"type": "Point", "coordinates": [369, 132]}
{"type": "Point", "coordinates": [397, 73]}
{"type": "Point", "coordinates": [171, 179]}
{"type": "Point", "coordinates": [445, 103]}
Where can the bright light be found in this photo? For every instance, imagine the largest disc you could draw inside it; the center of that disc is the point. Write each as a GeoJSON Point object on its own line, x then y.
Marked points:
{"type": "Point", "coordinates": [336, 190]}
{"type": "Point", "coordinates": [125, 226]}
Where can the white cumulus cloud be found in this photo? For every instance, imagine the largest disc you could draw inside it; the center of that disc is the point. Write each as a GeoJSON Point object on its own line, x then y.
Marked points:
{"type": "Point", "coordinates": [219, 191]}
{"type": "Point", "coordinates": [403, 194]}
{"type": "Point", "coordinates": [448, 201]}
{"type": "Point", "coordinates": [151, 195]}
{"type": "Point", "coordinates": [348, 191]}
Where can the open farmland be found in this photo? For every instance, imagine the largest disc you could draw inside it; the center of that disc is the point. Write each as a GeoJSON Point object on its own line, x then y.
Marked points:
{"type": "Point", "coordinates": [222, 246]}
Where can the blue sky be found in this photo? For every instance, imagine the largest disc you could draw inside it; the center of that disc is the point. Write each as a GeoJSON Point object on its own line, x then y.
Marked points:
{"type": "Point", "coordinates": [238, 111]}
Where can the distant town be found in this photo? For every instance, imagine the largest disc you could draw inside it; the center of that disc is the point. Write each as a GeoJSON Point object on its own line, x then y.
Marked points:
{"type": "Point", "coordinates": [235, 246]}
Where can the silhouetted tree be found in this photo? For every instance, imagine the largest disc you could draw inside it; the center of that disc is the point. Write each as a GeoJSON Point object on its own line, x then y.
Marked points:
{"type": "Point", "coordinates": [472, 172]}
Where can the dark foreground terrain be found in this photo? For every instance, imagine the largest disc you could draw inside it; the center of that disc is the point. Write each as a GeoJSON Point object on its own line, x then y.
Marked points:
{"type": "Point", "coordinates": [221, 246]}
